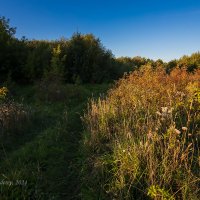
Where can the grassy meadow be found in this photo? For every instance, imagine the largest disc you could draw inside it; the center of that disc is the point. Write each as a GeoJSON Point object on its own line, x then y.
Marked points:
{"type": "Point", "coordinates": [142, 140]}
{"type": "Point", "coordinates": [40, 154]}
{"type": "Point", "coordinates": [135, 139]}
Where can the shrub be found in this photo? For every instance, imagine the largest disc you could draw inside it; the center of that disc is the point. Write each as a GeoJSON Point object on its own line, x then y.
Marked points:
{"type": "Point", "coordinates": [13, 116]}
{"type": "Point", "coordinates": [142, 141]}
{"type": "Point", "coordinates": [3, 93]}
{"type": "Point", "coordinates": [56, 92]}
{"type": "Point", "coordinates": [50, 91]}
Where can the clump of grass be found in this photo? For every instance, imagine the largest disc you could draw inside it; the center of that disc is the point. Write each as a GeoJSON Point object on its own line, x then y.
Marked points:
{"type": "Point", "coordinates": [59, 92]}
{"type": "Point", "coordinates": [50, 91]}
{"type": "Point", "coordinates": [13, 115]}
{"type": "Point", "coordinates": [142, 141]}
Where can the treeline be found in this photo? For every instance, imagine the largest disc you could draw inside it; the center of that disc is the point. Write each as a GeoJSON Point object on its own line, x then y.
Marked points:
{"type": "Point", "coordinates": [80, 59]}
{"type": "Point", "coordinates": [190, 63]}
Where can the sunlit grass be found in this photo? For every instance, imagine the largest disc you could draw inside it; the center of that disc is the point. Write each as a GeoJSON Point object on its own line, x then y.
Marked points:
{"type": "Point", "coordinates": [143, 139]}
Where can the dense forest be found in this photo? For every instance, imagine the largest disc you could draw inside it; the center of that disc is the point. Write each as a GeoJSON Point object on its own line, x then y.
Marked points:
{"type": "Point", "coordinates": [78, 123]}
{"type": "Point", "coordinates": [80, 59]}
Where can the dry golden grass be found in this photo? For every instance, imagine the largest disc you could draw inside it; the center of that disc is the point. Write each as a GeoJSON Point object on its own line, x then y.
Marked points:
{"type": "Point", "coordinates": [143, 139]}
{"type": "Point", "coordinates": [13, 116]}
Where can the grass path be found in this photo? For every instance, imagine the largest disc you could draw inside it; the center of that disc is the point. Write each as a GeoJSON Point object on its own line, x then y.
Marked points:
{"type": "Point", "coordinates": [47, 159]}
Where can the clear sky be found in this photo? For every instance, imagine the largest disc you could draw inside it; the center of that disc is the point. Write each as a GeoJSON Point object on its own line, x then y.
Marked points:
{"type": "Point", "coordinates": [165, 29]}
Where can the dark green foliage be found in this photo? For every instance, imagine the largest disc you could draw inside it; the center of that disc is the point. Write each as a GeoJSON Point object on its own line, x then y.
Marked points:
{"type": "Point", "coordinates": [13, 53]}
{"type": "Point", "coordinates": [44, 161]}
{"type": "Point", "coordinates": [6, 48]}
{"type": "Point", "coordinates": [37, 59]}
{"type": "Point", "coordinates": [134, 63]}
{"type": "Point", "coordinates": [171, 65]}
{"type": "Point", "coordinates": [191, 63]}
{"type": "Point", "coordinates": [87, 60]}
{"type": "Point", "coordinates": [83, 59]}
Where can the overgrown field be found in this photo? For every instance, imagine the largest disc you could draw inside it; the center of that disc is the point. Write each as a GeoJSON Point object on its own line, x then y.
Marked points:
{"type": "Point", "coordinates": [39, 141]}
{"type": "Point", "coordinates": [142, 140]}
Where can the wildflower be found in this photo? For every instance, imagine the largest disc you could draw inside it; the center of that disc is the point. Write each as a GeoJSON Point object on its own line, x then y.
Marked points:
{"type": "Point", "coordinates": [158, 113]}
{"type": "Point", "coordinates": [3, 92]}
{"type": "Point", "coordinates": [149, 135]}
{"type": "Point", "coordinates": [164, 109]}
{"type": "Point", "coordinates": [162, 119]}
{"type": "Point", "coordinates": [184, 128]}
{"type": "Point", "coordinates": [123, 150]}
{"type": "Point", "coordinates": [177, 131]}
{"type": "Point", "coordinates": [170, 110]}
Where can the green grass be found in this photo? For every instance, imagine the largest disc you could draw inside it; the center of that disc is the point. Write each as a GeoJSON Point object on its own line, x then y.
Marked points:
{"type": "Point", "coordinates": [142, 140]}
{"type": "Point", "coordinates": [138, 141]}
{"type": "Point", "coordinates": [45, 156]}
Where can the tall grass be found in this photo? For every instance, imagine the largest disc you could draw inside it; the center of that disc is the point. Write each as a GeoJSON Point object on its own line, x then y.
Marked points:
{"type": "Point", "coordinates": [13, 116]}
{"type": "Point", "coordinates": [44, 162]}
{"type": "Point", "coordinates": [142, 141]}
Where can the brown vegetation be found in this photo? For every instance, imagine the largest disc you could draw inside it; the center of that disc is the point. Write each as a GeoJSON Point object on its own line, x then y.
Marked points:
{"type": "Point", "coordinates": [143, 139]}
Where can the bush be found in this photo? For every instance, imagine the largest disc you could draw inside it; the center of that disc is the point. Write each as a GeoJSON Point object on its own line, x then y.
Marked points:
{"type": "Point", "coordinates": [142, 141]}
{"type": "Point", "coordinates": [13, 116]}
{"type": "Point", "coordinates": [57, 92]}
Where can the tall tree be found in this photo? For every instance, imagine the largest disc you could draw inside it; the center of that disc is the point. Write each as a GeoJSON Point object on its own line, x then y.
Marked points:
{"type": "Point", "coordinates": [6, 48]}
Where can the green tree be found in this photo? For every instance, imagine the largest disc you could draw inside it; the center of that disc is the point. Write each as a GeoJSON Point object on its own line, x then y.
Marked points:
{"type": "Point", "coordinates": [38, 59]}
{"type": "Point", "coordinates": [12, 52]}
{"type": "Point", "coordinates": [87, 59]}
{"type": "Point", "coordinates": [6, 49]}
{"type": "Point", "coordinates": [55, 72]}
{"type": "Point", "coordinates": [171, 65]}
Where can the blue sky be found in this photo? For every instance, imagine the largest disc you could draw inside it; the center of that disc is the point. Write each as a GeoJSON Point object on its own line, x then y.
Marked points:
{"type": "Point", "coordinates": [165, 29]}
